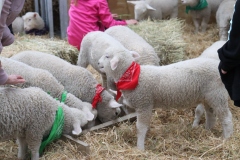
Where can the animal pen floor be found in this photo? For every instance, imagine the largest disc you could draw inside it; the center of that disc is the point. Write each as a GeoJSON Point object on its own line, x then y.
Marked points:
{"type": "Point", "coordinates": [170, 135]}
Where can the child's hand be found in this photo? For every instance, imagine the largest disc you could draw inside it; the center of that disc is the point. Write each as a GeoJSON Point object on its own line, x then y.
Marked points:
{"type": "Point", "coordinates": [131, 21]}
{"type": "Point", "coordinates": [114, 15]}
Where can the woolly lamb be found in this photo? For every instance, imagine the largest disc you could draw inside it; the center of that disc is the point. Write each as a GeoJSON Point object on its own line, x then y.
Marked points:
{"type": "Point", "coordinates": [18, 25]}
{"type": "Point", "coordinates": [43, 79]}
{"type": "Point", "coordinates": [76, 80]}
{"type": "Point", "coordinates": [160, 9]}
{"type": "Point", "coordinates": [181, 84]}
{"type": "Point", "coordinates": [201, 17]}
{"type": "Point", "coordinates": [133, 42]}
{"type": "Point", "coordinates": [211, 52]}
{"type": "Point", "coordinates": [91, 50]}
{"type": "Point", "coordinates": [32, 20]}
{"type": "Point", "coordinates": [28, 115]}
{"type": "Point", "coordinates": [223, 16]}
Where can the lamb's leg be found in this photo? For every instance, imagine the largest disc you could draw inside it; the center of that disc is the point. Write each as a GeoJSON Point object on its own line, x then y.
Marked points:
{"type": "Point", "coordinates": [34, 142]}
{"type": "Point", "coordinates": [227, 124]}
{"type": "Point", "coordinates": [22, 148]}
{"type": "Point", "coordinates": [199, 111]}
{"type": "Point", "coordinates": [174, 13]}
{"type": "Point", "coordinates": [210, 117]}
{"type": "Point", "coordinates": [143, 122]}
{"type": "Point", "coordinates": [196, 24]}
{"type": "Point", "coordinates": [204, 24]}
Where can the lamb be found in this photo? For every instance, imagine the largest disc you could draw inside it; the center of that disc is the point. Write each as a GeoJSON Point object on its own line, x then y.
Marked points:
{"type": "Point", "coordinates": [186, 83]}
{"type": "Point", "coordinates": [211, 52]}
{"type": "Point", "coordinates": [28, 115]}
{"type": "Point", "coordinates": [128, 38]}
{"type": "Point", "coordinates": [160, 9]}
{"type": "Point", "coordinates": [43, 79]}
{"type": "Point", "coordinates": [201, 16]}
{"type": "Point", "coordinates": [133, 42]}
{"type": "Point", "coordinates": [18, 25]}
{"type": "Point", "coordinates": [32, 20]}
{"type": "Point", "coordinates": [76, 80]}
{"type": "Point", "coordinates": [223, 16]}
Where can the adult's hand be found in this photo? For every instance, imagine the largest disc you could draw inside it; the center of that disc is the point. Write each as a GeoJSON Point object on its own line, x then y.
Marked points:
{"type": "Point", "coordinates": [14, 79]}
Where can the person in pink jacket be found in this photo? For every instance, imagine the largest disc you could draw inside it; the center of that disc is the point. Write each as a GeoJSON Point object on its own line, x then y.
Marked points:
{"type": "Point", "coordinates": [90, 15]}
{"type": "Point", "coordinates": [9, 11]}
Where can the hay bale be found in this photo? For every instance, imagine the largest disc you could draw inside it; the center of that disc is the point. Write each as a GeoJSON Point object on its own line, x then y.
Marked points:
{"type": "Point", "coordinates": [54, 46]}
{"type": "Point", "coordinates": [166, 38]}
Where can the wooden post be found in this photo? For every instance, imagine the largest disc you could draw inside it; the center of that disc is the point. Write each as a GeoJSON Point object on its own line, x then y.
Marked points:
{"type": "Point", "coordinates": [49, 13]}
{"type": "Point", "coordinates": [36, 6]}
{"type": "Point", "coordinates": [130, 117]}
{"type": "Point", "coordinates": [63, 9]}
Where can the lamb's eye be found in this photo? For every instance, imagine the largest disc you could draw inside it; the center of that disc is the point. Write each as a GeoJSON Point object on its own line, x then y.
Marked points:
{"type": "Point", "coordinates": [29, 19]}
{"type": "Point", "coordinates": [107, 56]}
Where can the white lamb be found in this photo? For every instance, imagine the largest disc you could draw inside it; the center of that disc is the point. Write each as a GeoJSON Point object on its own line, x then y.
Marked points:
{"type": "Point", "coordinates": [202, 16]}
{"type": "Point", "coordinates": [182, 84]}
{"type": "Point", "coordinates": [92, 49]}
{"type": "Point", "coordinates": [223, 16]}
{"type": "Point", "coordinates": [211, 52]}
{"type": "Point", "coordinates": [133, 42]}
{"type": "Point", "coordinates": [155, 9]}
{"type": "Point", "coordinates": [18, 25]}
{"type": "Point", "coordinates": [32, 20]}
{"type": "Point", "coordinates": [76, 80]}
{"type": "Point", "coordinates": [28, 115]}
{"type": "Point", "coordinates": [43, 79]}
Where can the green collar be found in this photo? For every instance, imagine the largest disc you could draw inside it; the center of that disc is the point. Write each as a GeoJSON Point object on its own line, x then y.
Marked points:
{"type": "Point", "coordinates": [202, 4]}
{"type": "Point", "coordinates": [64, 97]}
{"type": "Point", "coordinates": [56, 130]}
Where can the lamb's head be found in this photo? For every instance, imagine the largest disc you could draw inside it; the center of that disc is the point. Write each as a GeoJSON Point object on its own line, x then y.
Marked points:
{"type": "Point", "coordinates": [140, 9]}
{"type": "Point", "coordinates": [108, 109]}
{"type": "Point", "coordinates": [32, 20]}
{"type": "Point", "coordinates": [114, 64]}
{"type": "Point", "coordinates": [79, 119]}
{"type": "Point", "coordinates": [190, 3]}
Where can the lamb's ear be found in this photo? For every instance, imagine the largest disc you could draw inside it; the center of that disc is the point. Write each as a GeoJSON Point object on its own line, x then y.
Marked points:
{"type": "Point", "coordinates": [114, 104]}
{"type": "Point", "coordinates": [114, 62]}
{"type": "Point", "coordinates": [76, 128]}
{"type": "Point", "coordinates": [150, 8]}
{"type": "Point", "coordinates": [89, 115]}
{"type": "Point", "coordinates": [135, 54]}
{"type": "Point", "coordinates": [34, 15]}
{"type": "Point", "coordinates": [112, 91]}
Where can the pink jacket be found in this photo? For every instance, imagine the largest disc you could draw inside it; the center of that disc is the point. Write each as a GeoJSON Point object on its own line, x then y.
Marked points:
{"type": "Point", "coordinates": [85, 17]}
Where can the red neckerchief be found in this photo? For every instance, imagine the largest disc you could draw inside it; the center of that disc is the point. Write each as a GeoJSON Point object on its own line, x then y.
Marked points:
{"type": "Point", "coordinates": [97, 98]}
{"type": "Point", "coordinates": [129, 79]}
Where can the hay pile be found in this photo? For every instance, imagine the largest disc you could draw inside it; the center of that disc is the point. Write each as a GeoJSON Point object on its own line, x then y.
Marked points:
{"type": "Point", "coordinates": [166, 38]}
{"type": "Point", "coordinates": [54, 46]}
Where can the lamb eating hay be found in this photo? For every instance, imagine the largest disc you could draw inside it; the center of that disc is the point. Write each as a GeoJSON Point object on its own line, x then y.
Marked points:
{"type": "Point", "coordinates": [43, 79]}
{"type": "Point", "coordinates": [28, 115]}
{"type": "Point", "coordinates": [223, 16]}
{"type": "Point", "coordinates": [155, 9]}
{"type": "Point", "coordinates": [76, 80]}
{"type": "Point", "coordinates": [182, 84]}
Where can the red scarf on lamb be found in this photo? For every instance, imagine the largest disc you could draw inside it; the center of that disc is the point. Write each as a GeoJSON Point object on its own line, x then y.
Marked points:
{"type": "Point", "coordinates": [129, 79]}
{"type": "Point", "coordinates": [97, 98]}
